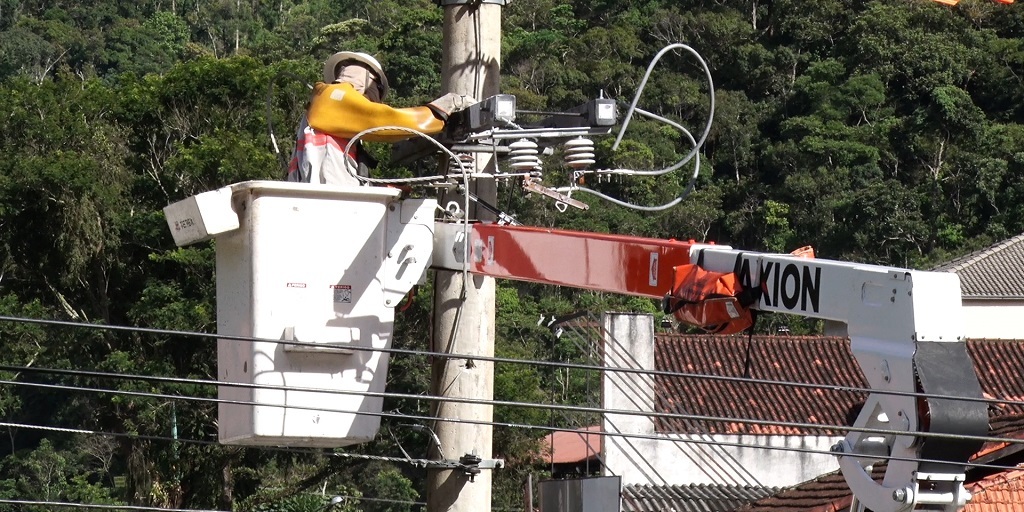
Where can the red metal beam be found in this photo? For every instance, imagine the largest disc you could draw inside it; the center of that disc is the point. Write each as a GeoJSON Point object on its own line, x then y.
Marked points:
{"type": "Point", "coordinates": [611, 263]}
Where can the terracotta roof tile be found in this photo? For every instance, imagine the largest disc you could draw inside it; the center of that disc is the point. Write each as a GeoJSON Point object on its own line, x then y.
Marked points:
{"type": "Point", "coordinates": [812, 359]}
{"type": "Point", "coordinates": [817, 360]}
{"type": "Point", "coordinates": [827, 493]}
{"type": "Point", "coordinates": [572, 447]}
{"type": "Point", "coordinates": [1009, 427]}
{"type": "Point", "coordinates": [808, 359]}
{"type": "Point", "coordinates": [999, 365]}
{"type": "Point", "coordinates": [983, 274]}
{"type": "Point", "coordinates": [1003, 491]}
{"type": "Point", "coordinates": [1000, 487]}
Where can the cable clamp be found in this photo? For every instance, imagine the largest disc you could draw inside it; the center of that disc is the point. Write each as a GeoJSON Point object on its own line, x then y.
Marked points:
{"type": "Point", "coordinates": [470, 464]}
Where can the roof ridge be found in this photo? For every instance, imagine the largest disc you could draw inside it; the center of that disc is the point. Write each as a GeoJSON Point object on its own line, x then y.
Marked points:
{"type": "Point", "coordinates": [974, 257]}
{"type": "Point", "coordinates": [995, 479]}
{"type": "Point", "coordinates": [745, 337]}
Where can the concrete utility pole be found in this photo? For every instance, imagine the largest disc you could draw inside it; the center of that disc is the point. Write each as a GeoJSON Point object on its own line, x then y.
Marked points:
{"type": "Point", "coordinates": [464, 311]}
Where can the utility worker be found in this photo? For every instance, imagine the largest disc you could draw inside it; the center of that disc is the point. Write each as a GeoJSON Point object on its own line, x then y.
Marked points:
{"type": "Point", "coordinates": [347, 102]}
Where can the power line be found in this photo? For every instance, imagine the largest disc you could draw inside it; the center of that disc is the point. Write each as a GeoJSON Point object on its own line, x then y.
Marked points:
{"type": "Point", "coordinates": [557, 429]}
{"type": "Point", "coordinates": [527, 426]}
{"type": "Point", "coordinates": [722, 464]}
{"type": "Point", "coordinates": [413, 503]}
{"type": "Point", "coordinates": [503, 403]}
{"type": "Point", "coordinates": [142, 437]}
{"type": "Point", "coordinates": [420, 461]}
{"type": "Point", "coordinates": [536, 363]}
{"type": "Point", "coordinates": [95, 506]}
{"type": "Point", "coordinates": [396, 502]}
{"type": "Point", "coordinates": [65, 504]}
{"type": "Point", "coordinates": [628, 454]}
{"type": "Point", "coordinates": [199, 442]}
{"type": "Point", "coordinates": [45, 428]}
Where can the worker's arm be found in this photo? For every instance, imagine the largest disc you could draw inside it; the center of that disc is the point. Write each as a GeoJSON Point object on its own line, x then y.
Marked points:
{"type": "Point", "coordinates": [341, 111]}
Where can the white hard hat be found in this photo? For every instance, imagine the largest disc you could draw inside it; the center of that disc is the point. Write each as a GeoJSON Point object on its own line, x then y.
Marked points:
{"type": "Point", "coordinates": [331, 68]}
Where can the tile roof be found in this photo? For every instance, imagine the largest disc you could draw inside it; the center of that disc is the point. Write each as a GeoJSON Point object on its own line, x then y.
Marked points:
{"type": "Point", "coordinates": [993, 273]}
{"type": "Point", "coordinates": [997, 492]}
{"type": "Point", "coordinates": [821, 360]}
{"type": "Point", "coordinates": [812, 360]}
{"type": "Point", "coordinates": [690, 498]}
{"type": "Point", "coordinates": [998, 365]}
{"type": "Point", "coordinates": [818, 360]}
{"type": "Point", "coordinates": [827, 493]}
{"type": "Point", "coordinates": [572, 447]}
{"type": "Point", "coordinates": [1001, 492]}
{"type": "Point", "coordinates": [1009, 426]}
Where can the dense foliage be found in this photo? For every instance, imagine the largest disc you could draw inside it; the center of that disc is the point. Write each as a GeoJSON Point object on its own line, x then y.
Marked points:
{"type": "Point", "coordinates": [880, 131]}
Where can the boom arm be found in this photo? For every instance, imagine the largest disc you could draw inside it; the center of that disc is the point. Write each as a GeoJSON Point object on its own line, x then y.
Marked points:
{"type": "Point", "coordinates": [905, 328]}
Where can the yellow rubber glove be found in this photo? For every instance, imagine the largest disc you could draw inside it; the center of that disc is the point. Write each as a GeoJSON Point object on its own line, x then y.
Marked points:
{"type": "Point", "coordinates": [450, 103]}
{"type": "Point", "coordinates": [341, 111]}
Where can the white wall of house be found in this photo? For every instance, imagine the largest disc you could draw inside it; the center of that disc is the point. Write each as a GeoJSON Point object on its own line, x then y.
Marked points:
{"type": "Point", "coordinates": [993, 319]}
{"type": "Point", "coordinates": [691, 459]}
{"type": "Point", "coordinates": [644, 456]}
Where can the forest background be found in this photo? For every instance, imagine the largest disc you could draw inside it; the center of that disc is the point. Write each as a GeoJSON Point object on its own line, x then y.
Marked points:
{"type": "Point", "coordinates": [878, 131]}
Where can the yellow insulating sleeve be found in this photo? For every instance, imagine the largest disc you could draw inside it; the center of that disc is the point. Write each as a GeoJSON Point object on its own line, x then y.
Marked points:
{"type": "Point", "coordinates": [341, 111]}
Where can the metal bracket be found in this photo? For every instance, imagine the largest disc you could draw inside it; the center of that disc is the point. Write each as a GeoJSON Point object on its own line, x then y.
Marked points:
{"type": "Point", "coordinates": [470, 464]}
{"type": "Point", "coordinates": [532, 186]}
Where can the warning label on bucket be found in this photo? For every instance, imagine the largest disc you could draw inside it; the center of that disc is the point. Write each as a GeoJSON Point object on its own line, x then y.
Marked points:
{"type": "Point", "coordinates": [342, 293]}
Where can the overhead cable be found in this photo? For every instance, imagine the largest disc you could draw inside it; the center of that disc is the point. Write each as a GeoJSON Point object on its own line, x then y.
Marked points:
{"type": "Point", "coordinates": [524, 426]}
{"type": "Point", "coordinates": [643, 84]}
{"type": "Point", "coordinates": [629, 172]}
{"type": "Point", "coordinates": [722, 463]}
{"type": "Point", "coordinates": [712, 469]}
{"type": "Point", "coordinates": [433, 398]}
{"type": "Point", "coordinates": [535, 363]}
{"type": "Point", "coordinates": [143, 437]}
{"type": "Point", "coordinates": [538, 427]}
{"type": "Point", "coordinates": [694, 152]}
{"type": "Point", "coordinates": [64, 504]}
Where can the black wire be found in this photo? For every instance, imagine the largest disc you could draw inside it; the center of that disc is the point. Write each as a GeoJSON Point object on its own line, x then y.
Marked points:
{"type": "Point", "coordinates": [397, 502]}
{"type": "Point", "coordinates": [433, 398]}
{"type": "Point", "coordinates": [567, 365]}
{"type": "Point", "coordinates": [493, 359]}
{"type": "Point", "coordinates": [67, 430]}
{"type": "Point", "coordinates": [201, 442]}
{"type": "Point", "coordinates": [97, 506]}
{"type": "Point", "coordinates": [622, 354]}
{"type": "Point", "coordinates": [545, 428]}
{"type": "Point", "coordinates": [475, 401]}
{"type": "Point", "coordinates": [65, 504]}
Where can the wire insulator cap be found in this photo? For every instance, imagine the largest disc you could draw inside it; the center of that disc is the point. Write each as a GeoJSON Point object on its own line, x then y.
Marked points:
{"type": "Point", "coordinates": [579, 153]}
{"type": "Point", "coordinates": [523, 153]}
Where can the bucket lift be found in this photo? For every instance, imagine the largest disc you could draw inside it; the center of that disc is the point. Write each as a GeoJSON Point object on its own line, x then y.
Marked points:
{"type": "Point", "coordinates": [324, 266]}
{"type": "Point", "coordinates": [293, 268]}
{"type": "Point", "coordinates": [320, 265]}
